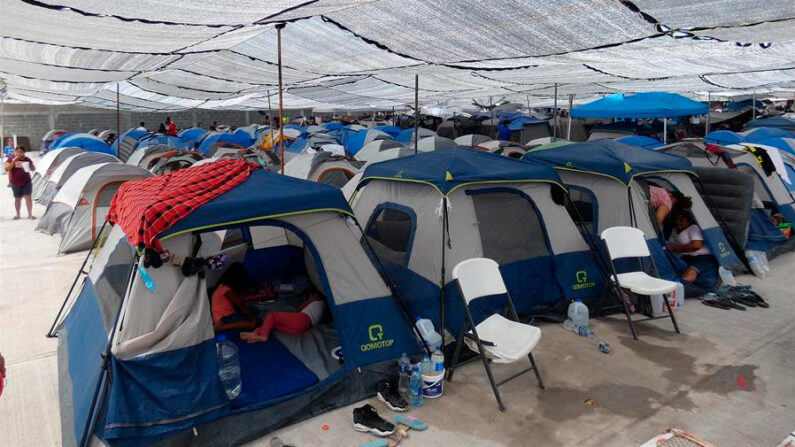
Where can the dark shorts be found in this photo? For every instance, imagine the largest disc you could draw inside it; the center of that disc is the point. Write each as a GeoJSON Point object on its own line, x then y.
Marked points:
{"type": "Point", "coordinates": [20, 191]}
{"type": "Point", "coordinates": [701, 263]}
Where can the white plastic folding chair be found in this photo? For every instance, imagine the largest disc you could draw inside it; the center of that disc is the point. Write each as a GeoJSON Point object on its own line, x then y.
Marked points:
{"type": "Point", "coordinates": [629, 242]}
{"type": "Point", "coordinates": [496, 339]}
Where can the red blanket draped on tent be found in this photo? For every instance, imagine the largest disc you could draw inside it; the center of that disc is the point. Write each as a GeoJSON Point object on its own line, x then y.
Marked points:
{"type": "Point", "coordinates": [147, 207]}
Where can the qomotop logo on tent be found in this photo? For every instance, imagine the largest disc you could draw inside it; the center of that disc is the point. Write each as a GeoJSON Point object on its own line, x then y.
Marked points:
{"type": "Point", "coordinates": [581, 276]}
{"type": "Point", "coordinates": [723, 251]}
{"type": "Point", "coordinates": [377, 341]}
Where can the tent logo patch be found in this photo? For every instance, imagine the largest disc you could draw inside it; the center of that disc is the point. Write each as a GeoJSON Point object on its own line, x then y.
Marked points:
{"type": "Point", "coordinates": [376, 334]}
{"type": "Point", "coordinates": [627, 167]}
{"type": "Point", "coordinates": [582, 281]}
{"type": "Point", "coordinates": [723, 251]}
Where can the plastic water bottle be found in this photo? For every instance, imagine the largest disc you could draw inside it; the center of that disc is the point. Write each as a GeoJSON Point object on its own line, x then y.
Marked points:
{"type": "Point", "coordinates": [437, 359]}
{"type": "Point", "coordinates": [228, 366]}
{"type": "Point", "coordinates": [415, 387]}
{"type": "Point", "coordinates": [578, 314]}
{"type": "Point", "coordinates": [425, 328]}
{"type": "Point", "coordinates": [726, 277]}
{"type": "Point", "coordinates": [569, 325]}
{"type": "Point", "coordinates": [755, 262]}
{"type": "Point", "coordinates": [426, 367]}
{"type": "Point", "coordinates": [404, 377]}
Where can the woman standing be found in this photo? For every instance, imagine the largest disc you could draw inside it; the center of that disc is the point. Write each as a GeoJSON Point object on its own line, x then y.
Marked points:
{"type": "Point", "coordinates": [19, 167]}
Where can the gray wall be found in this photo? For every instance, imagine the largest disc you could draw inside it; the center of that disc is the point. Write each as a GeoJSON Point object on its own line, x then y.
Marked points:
{"type": "Point", "coordinates": [34, 121]}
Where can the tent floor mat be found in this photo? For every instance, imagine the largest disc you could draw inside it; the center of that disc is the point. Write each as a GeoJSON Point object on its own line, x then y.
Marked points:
{"type": "Point", "coordinates": [267, 371]}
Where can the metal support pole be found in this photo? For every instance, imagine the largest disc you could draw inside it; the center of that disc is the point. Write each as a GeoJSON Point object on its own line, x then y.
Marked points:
{"type": "Point", "coordinates": [753, 113]}
{"type": "Point", "coordinates": [568, 127]}
{"type": "Point", "coordinates": [118, 117]}
{"type": "Point", "coordinates": [665, 130]}
{"type": "Point", "coordinates": [555, 115]}
{"type": "Point", "coordinates": [709, 100]}
{"type": "Point", "coordinates": [527, 98]}
{"type": "Point", "coordinates": [281, 99]}
{"type": "Point", "coordinates": [416, 113]}
{"type": "Point", "coordinates": [270, 112]}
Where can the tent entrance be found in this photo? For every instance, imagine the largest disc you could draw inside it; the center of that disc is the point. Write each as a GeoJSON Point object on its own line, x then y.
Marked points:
{"type": "Point", "coordinates": [287, 364]}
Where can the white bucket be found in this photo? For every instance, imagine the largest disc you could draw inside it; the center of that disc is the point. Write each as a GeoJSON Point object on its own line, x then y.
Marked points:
{"type": "Point", "coordinates": [433, 385]}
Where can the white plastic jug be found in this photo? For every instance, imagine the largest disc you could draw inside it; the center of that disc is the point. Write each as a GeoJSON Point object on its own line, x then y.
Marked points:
{"type": "Point", "coordinates": [425, 327]}
{"type": "Point", "coordinates": [726, 277]}
{"type": "Point", "coordinates": [578, 313]}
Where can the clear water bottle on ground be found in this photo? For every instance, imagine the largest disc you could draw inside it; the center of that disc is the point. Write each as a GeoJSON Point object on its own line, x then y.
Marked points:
{"type": "Point", "coordinates": [437, 359]}
{"type": "Point", "coordinates": [228, 366]}
{"type": "Point", "coordinates": [404, 376]}
{"type": "Point", "coordinates": [426, 366]}
{"type": "Point", "coordinates": [578, 314]}
{"type": "Point", "coordinates": [726, 277]}
{"type": "Point", "coordinates": [569, 325]}
{"type": "Point", "coordinates": [416, 387]}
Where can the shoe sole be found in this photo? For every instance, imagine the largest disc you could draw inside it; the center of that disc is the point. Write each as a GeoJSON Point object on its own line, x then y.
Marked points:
{"type": "Point", "coordinates": [390, 406]}
{"type": "Point", "coordinates": [375, 431]}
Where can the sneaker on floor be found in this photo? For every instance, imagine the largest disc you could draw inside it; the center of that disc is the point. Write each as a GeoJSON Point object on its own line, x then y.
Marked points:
{"type": "Point", "coordinates": [388, 394]}
{"type": "Point", "coordinates": [366, 419]}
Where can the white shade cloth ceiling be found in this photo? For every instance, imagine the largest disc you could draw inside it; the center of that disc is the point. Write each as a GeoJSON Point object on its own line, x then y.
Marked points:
{"type": "Point", "coordinates": [355, 54]}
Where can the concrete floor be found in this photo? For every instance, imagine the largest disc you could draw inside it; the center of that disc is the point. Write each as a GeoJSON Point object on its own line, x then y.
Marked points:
{"type": "Point", "coordinates": [688, 381]}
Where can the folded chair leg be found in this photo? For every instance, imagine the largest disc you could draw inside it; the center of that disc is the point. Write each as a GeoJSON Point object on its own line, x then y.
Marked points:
{"type": "Point", "coordinates": [535, 370]}
{"type": "Point", "coordinates": [486, 363]}
{"type": "Point", "coordinates": [456, 354]}
{"type": "Point", "coordinates": [671, 313]}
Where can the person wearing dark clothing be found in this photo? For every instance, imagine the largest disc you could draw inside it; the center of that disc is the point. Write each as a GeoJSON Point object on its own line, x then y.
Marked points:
{"type": "Point", "coordinates": [162, 129]}
{"type": "Point", "coordinates": [503, 131]}
{"type": "Point", "coordinates": [19, 168]}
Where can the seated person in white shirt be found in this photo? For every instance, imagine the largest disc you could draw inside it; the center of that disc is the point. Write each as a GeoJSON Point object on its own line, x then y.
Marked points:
{"type": "Point", "coordinates": [309, 314]}
{"type": "Point", "coordinates": [687, 242]}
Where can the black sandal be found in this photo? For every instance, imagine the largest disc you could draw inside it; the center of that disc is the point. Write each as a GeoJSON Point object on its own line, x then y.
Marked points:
{"type": "Point", "coordinates": [712, 302]}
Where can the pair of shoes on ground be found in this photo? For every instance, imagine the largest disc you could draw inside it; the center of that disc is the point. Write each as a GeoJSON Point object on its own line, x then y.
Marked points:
{"type": "Point", "coordinates": [366, 417]}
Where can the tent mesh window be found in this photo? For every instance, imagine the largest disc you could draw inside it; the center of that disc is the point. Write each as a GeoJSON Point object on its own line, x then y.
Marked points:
{"type": "Point", "coordinates": [232, 238]}
{"type": "Point", "coordinates": [581, 208]}
{"type": "Point", "coordinates": [510, 228]}
{"type": "Point", "coordinates": [336, 177]}
{"type": "Point", "coordinates": [389, 233]}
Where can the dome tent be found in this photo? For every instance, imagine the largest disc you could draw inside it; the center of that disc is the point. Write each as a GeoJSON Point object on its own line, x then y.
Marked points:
{"type": "Point", "coordinates": [291, 227]}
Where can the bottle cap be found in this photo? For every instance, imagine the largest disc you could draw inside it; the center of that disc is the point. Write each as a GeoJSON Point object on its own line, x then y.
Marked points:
{"type": "Point", "coordinates": [418, 318]}
{"type": "Point", "coordinates": [221, 338]}
{"type": "Point", "coordinates": [578, 300]}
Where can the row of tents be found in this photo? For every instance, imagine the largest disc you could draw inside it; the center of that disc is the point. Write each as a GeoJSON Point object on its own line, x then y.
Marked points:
{"type": "Point", "coordinates": [381, 258]}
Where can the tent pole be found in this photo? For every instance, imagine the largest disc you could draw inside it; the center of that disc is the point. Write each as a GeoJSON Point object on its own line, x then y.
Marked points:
{"type": "Point", "coordinates": [665, 130]}
{"type": "Point", "coordinates": [118, 115]}
{"type": "Point", "coordinates": [270, 113]}
{"type": "Point", "coordinates": [555, 115]}
{"type": "Point", "coordinates": [527, 98]}
{"type": "Point", "coordinates": [571, 105]}
{"type": "Point", "coordinates": [281, 99]}
{"type": "Point", "coordinates": [709, 100]}
{"type": "Point", "coordinates": [753, 112]}
{"type": "Point", "coordinates": [416, 112]}
{"type": "Point", "coordinates": [3, 89]}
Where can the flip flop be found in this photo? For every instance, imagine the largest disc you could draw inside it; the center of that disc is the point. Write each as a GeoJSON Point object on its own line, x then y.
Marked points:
{"type": "Point", "coordinates": [712, 302]}
{"type": "Point", "coordinates": [731, 303]}
{"type": "Point", "coordinates": [745, 301]}
{"type": "Point", "coordinates": [411, 421]}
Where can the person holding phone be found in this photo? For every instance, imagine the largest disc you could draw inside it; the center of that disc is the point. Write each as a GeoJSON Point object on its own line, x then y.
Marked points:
{"type": "Point", "coordinates": [19, 167]}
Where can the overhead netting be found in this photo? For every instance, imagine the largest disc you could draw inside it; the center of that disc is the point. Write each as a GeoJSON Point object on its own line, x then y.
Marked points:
{"type": "Point", "coordinates": [359, 54]}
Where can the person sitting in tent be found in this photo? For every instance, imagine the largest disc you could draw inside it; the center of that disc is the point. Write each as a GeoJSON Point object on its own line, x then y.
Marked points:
{"type": "Point", "coordinates": [503, 131]}
{"type": "Point", "coordinates": [309, 314]}
{"type": "Point", "coordinates": [679, 203]}
{"type": "Point", "coordinates": [162, 129]}
{"type": "Point", "coordinates": [660, 200]}
{"type": "Point", "coordinates": [688, 242]}
{"type": "Point", "coordinates": [228, 302]}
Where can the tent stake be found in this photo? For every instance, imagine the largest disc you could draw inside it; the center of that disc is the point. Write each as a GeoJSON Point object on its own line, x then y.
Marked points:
{"type": "Point", "coordinates": [555, 115]}
{"type": "Point", "coordinates": [281, 103]}
{"type": "Point", "coordinates": [416, 112]}
{"type": "Point", "coordinates": [568, 127]}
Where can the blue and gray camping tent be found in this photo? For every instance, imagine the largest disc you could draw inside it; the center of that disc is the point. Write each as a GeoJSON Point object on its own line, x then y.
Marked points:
{"type": "Point", "coordinates": [162, 361]}
{"type": "Point", "coordinates": [777, 121]}
{"type": "Point", "coordinates": [724, 137]}
{"type": "Point", "coordinates": [393, 131]}
{"type": "Point", "coordinates": [127, 143]}
{"type": "Point", "coordinates": [407, 135]}
{"type": "Point", "coordinates": [86, 141]}
{"type": "Point", "coordinates": [640, 105]}
{"type": "Point", "coordinates": [604, 175]}
{"type": "Point", "coordinates": [192, 136]}
{"type": "Point", "coordinates": [426, 213]}
{"type": "Point", "coordinates": [757, 134]}
{"type": "Point", "coordinates": [163, 140]}
{"type": "Point", "coordinates": [357, 140]}
{"type": "Point", "coordinates": [241, 139]}
{"type": "Point", "coordinates": [640, 141]}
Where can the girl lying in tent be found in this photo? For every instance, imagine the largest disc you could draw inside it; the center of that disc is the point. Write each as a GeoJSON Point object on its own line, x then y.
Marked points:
{"type": "Point", "coordinates": [230, 311]}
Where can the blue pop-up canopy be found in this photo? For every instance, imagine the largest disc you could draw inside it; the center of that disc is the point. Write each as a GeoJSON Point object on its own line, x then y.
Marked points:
{"type": "Point", "coordinates": [640, 141]}
{"type": "Point", "coordinates": [640, 105]}
{"type": "Point", "coordinates": [609, 157]}
{"type": "Point", "coordinates": [447, 169]}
